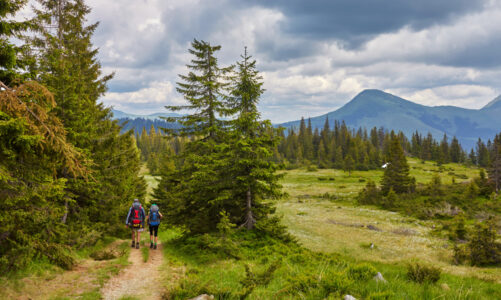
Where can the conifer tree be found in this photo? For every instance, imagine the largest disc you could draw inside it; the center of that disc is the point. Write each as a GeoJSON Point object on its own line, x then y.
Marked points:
{"type": "Point", "coordinates": [495, 169]}
{"type": "Point", "coordinates": [455, 151]}
{"type": "Point", "coordinates": [65, 61]}
{"type": "Point", "coordinates": [349, 164]}
{"type": "Point", "coordinates": [396, 174]}
{"type": "Point", "coordinates": [249, 153]}
{"type": "Point", "coordinates": [204, 88]}
{"type": "Point", "coordinates": [195, 189]}
{"type": "Point", "coordinates": [33, 147]}
{"type": "Point", "coordinates": [10, 62]}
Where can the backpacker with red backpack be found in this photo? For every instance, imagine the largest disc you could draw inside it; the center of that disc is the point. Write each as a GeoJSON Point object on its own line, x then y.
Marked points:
{"type": "Point", "coordinates": [136, 218]}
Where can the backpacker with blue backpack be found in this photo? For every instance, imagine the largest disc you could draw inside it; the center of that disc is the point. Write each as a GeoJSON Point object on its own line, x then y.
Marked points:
{"type": "Point", "coordinates": [154, 217]}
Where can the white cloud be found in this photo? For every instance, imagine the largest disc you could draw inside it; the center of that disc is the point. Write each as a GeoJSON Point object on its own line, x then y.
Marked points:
{"type": "Point", "coordinates": [153, 97]}
{"type": "Point", "coordinates": [146, 43]}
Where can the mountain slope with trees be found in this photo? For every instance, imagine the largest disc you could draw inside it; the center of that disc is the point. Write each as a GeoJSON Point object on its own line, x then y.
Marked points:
{"type": "Point", "coordinates": [375, 108]}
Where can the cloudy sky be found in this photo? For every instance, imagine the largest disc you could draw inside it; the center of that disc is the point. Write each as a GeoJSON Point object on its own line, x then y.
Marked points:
{"type": "Point", "coordinates": [314, 55]}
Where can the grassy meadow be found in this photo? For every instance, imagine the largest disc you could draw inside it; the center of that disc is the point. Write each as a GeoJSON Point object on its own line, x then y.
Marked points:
{"type": "Point", "coordinates": [321, 213]}
{"type": "Point", "coordinates": [334, 223]}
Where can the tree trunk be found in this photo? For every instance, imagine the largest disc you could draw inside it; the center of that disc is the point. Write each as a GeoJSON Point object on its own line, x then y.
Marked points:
{"type": "Point", "coordinates": [65, 216]}
{"type": "Point", "coordinates": [249, 219]}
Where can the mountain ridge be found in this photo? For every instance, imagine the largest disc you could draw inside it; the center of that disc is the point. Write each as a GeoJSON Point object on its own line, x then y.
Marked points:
{"type": "Point", "coordinates": [375, 108]}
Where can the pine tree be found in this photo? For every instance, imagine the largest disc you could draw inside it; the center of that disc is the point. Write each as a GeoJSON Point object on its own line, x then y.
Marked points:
{"type": "Point", "coordinates": [195, 189]}
{"type": "Point", "coordinates": [396, 174]}
{"type": "Point", "coordinates": [33, 147]}
{"type": "Point", "coordinates": [204, 88]}
{"type": "Point", "coordinates": [349, 164]}
{"type": "Point", "coordinates": [65, 61]}
{"type": "Point", "coordinates": [482, 154]}
{"type": "Point", "coordinates": [10, 62]}
{"type": "Point", "coordinates": [495, 169]}
{"type": "Point", "coordinates": [455, 151]}
{"type": "Point", "coordinates": [250, 150]}
{"type": "Point", "coordinates": [322, 158]}
{"type": "Point", "coordinates": [444, 150]}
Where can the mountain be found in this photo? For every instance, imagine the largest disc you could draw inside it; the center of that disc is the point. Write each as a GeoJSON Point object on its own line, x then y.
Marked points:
{"type": "Point", "coordinates": [138, 122]}
{"type": "Point", "coordinates": [376, 108]}
{"type": "Point", "coordinates": [117, 114]}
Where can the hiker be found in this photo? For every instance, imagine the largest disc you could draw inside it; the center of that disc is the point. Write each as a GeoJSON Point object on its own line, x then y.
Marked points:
{"type": "Point", "coordinates": [135, 221]}
{"type": "Point", "coordinates": [153, 220]}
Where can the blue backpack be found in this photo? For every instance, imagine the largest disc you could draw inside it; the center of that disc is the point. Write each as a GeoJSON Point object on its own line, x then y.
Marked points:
{"type": "Point", "coordinates": [154, 216]}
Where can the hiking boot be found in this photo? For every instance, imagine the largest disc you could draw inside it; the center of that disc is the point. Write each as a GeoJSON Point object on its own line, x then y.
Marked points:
{"type": "Point", "coordinates": [155, 247]}
{"type": "Point", "coordinates": [133, 244]}
{"type": "Point", "coordinates": [137, 246]}
{"type": "Point", "coordinates": [151, 245]}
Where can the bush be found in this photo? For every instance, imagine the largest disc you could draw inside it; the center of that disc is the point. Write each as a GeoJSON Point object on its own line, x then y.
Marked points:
{"type": "Point", "coordinates": [361, 272]}
{"type": "Point", "coordinates": [253, 280]}
{"type": "Point", "coordinates": [420, 273]}
{"type": "Point", "coordinates": [483, 247]}
{"type": "Point", "coordinates": [103, 255]}
{"type": "Point", "coordinates": [390, 199]}
{"type": "Point", "coordinates": [370, 194]}
{"type": "Point", "coordinates": [461, 254]}
{"type": "Point", "coordinates": [311, 168]}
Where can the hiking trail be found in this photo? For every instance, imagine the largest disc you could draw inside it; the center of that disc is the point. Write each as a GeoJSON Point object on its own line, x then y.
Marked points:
{"type": "Point", "coordinates": [140, 279]}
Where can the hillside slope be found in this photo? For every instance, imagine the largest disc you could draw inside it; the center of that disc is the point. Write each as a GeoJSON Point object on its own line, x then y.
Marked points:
{"type": "Point", "coordinates": [376, 108]}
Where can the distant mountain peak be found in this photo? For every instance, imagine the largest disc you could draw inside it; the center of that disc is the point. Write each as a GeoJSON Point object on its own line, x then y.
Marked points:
{"type": "Point", "coordinates": [496, 103]}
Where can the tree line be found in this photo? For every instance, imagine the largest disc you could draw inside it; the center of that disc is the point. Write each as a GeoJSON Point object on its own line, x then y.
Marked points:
{"type": "Point", "coordinates": [338, 146]}
{"type": "Point", "coordinates": [66, 172]}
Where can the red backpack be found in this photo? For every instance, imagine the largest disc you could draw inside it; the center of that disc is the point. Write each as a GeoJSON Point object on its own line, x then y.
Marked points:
{"type": "Point", "coordinates": [136, 215]}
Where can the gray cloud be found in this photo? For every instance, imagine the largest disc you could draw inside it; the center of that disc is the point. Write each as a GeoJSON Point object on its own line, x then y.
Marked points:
{"type": "Point", "coordinates": [314, 55]}
{"type": "Point", "coordinates": [357, 21]}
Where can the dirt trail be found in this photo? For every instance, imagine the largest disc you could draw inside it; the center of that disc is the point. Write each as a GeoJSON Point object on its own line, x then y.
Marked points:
{"type": "Point", "coordinates": [140, 279]}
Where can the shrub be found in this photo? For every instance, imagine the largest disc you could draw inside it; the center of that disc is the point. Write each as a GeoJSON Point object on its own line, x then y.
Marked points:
{"type": "Point", "coordinates": [253, 280]}
{"type": "Point", "coordinates": [311, 168]}
{"type": "Point", "coordinates": [370, 194]}
{"type": "Point", "coordinates": [459, 230]}
{"type": "Point", "coordinates": [390, 199]}
{"type": "Point", "coordinates": [103, 255]}
{"type": "Point", "coordinates": [361, 272]}
{"type": "Point", "coordinates": [461, 254]}
{"type": "Point", "coordinates": [420, 273]}
{"type": "Point", "coordinates": [483, 247]}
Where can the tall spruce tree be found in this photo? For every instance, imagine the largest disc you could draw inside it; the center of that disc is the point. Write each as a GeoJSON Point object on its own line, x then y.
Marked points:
{"type": "Point", "coordinates": [33, 147]}
{"type": "Point", "coordinates": [10, 62]}
{"type": "Point", "coordinates": [205, 90]}
{"type": "Point", "coordinates": [249, 169]}
{"type": "Point", "coordinates": [194, 199]}
{"type": "Point", "coordinates": [495, 168]}
{"type": "Point", "coordinates": [396, 175]}
{"type": "Point", "coordinates": [65, 61]}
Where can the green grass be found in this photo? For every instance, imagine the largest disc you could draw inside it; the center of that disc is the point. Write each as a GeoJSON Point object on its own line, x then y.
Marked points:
{"type": "Point", "coordinates": [151, 182]}
{"type": "Point", "coordinates": [323, 215]}
{"type": "Point", "coordinates": [193, 269]}
{"type": "Point", "coordinates": [145, 252]}
{"type": "Point", "coordinates": [301, 183]}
